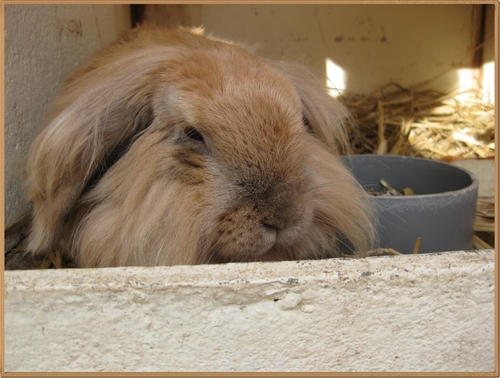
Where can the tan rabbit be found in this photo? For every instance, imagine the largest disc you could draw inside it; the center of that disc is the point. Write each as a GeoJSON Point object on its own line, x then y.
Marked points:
{"type": "Point", "coordinates": [170, 147]}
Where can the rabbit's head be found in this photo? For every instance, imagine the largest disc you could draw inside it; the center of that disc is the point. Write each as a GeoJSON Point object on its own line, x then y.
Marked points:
{"type": "Point", "coordinates": [172, 148]}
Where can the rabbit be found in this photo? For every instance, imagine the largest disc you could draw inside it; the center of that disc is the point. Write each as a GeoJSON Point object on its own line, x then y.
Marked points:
{"type": "Point", "coordinates": [170, 147]}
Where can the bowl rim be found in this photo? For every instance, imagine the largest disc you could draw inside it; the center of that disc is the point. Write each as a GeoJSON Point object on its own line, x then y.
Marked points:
{"type": "Point", "coordinates": [473, 186]}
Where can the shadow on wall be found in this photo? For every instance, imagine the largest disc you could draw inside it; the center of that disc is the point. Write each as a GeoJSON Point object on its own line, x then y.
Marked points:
{"type": "Point", "coordinates": [360, 47]}
{"type": "Point", "coordinates": [43, 44]}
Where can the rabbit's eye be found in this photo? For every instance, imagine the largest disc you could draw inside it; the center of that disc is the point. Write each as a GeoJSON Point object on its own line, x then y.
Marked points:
{"type": "Point", "coordinates": [194, 134]}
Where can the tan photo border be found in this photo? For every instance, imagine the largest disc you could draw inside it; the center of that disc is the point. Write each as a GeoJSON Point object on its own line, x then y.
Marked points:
{"type": "Point", "coordinates": [369, 374]}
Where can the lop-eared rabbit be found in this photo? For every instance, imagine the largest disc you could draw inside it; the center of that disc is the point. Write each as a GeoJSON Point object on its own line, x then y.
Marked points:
{"type": "Point", "coordinates": [169, 147]}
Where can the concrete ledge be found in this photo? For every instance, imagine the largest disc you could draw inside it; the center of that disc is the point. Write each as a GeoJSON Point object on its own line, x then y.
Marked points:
{"type": "Point", "coordinates": [430, 312]}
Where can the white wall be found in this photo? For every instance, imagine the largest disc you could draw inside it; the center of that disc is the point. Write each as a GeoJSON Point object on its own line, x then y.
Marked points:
{"type": "Point", "coordinates": [410, 313]}
{"type": "Point", "coordinates": [373, 44]}
{"type": "Point", "coordinates": [43, 45]}
{"type": "Point", "coordinates": [490, 51]}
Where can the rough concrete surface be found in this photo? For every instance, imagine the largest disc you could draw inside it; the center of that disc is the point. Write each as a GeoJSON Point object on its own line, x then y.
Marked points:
{"type": "Point", "coordinates": [429, 312]}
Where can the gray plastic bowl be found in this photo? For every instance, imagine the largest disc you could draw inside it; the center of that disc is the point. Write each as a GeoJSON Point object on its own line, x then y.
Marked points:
{"type": "Point", "coordinates": [441, 212]}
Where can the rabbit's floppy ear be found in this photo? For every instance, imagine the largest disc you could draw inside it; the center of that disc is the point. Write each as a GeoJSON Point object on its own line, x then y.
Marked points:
{"type": "Point", "coordinates": [327, 118]}
{"type": "Point", "coordinates": [99, 111]}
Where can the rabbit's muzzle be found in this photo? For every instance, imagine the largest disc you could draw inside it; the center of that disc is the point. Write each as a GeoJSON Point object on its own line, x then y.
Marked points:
{"type": "Point", "coordinates": [266, 217]}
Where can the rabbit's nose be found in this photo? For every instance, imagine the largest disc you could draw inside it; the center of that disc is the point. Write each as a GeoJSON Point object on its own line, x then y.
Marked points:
{"type": "Point", "coordinates": [280, 215]}
{"type": "Point", "coordinates": [269, 226]}
{"type": "Point", "coordinates": [277, 223]}
{"type": "Point", "coordinates": [284, 225]}
{"type": "Point", "coordinates": [278, 206]}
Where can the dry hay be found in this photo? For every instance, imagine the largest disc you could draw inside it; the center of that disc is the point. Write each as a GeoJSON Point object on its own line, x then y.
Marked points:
{"type": "Point", "coordinates": [485, 215]}
{"type": "Point", "coordinates": [403, 121]}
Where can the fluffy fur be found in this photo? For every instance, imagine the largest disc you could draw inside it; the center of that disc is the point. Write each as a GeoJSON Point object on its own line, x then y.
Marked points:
{"type": "Point", "coordinates": [169, 148]}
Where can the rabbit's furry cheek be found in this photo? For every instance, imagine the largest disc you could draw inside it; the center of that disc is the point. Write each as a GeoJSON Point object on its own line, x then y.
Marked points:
{"type": "Point", "coordinates": [144, 211]}
{"type": "Point", "coordinates": [172, 148]}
